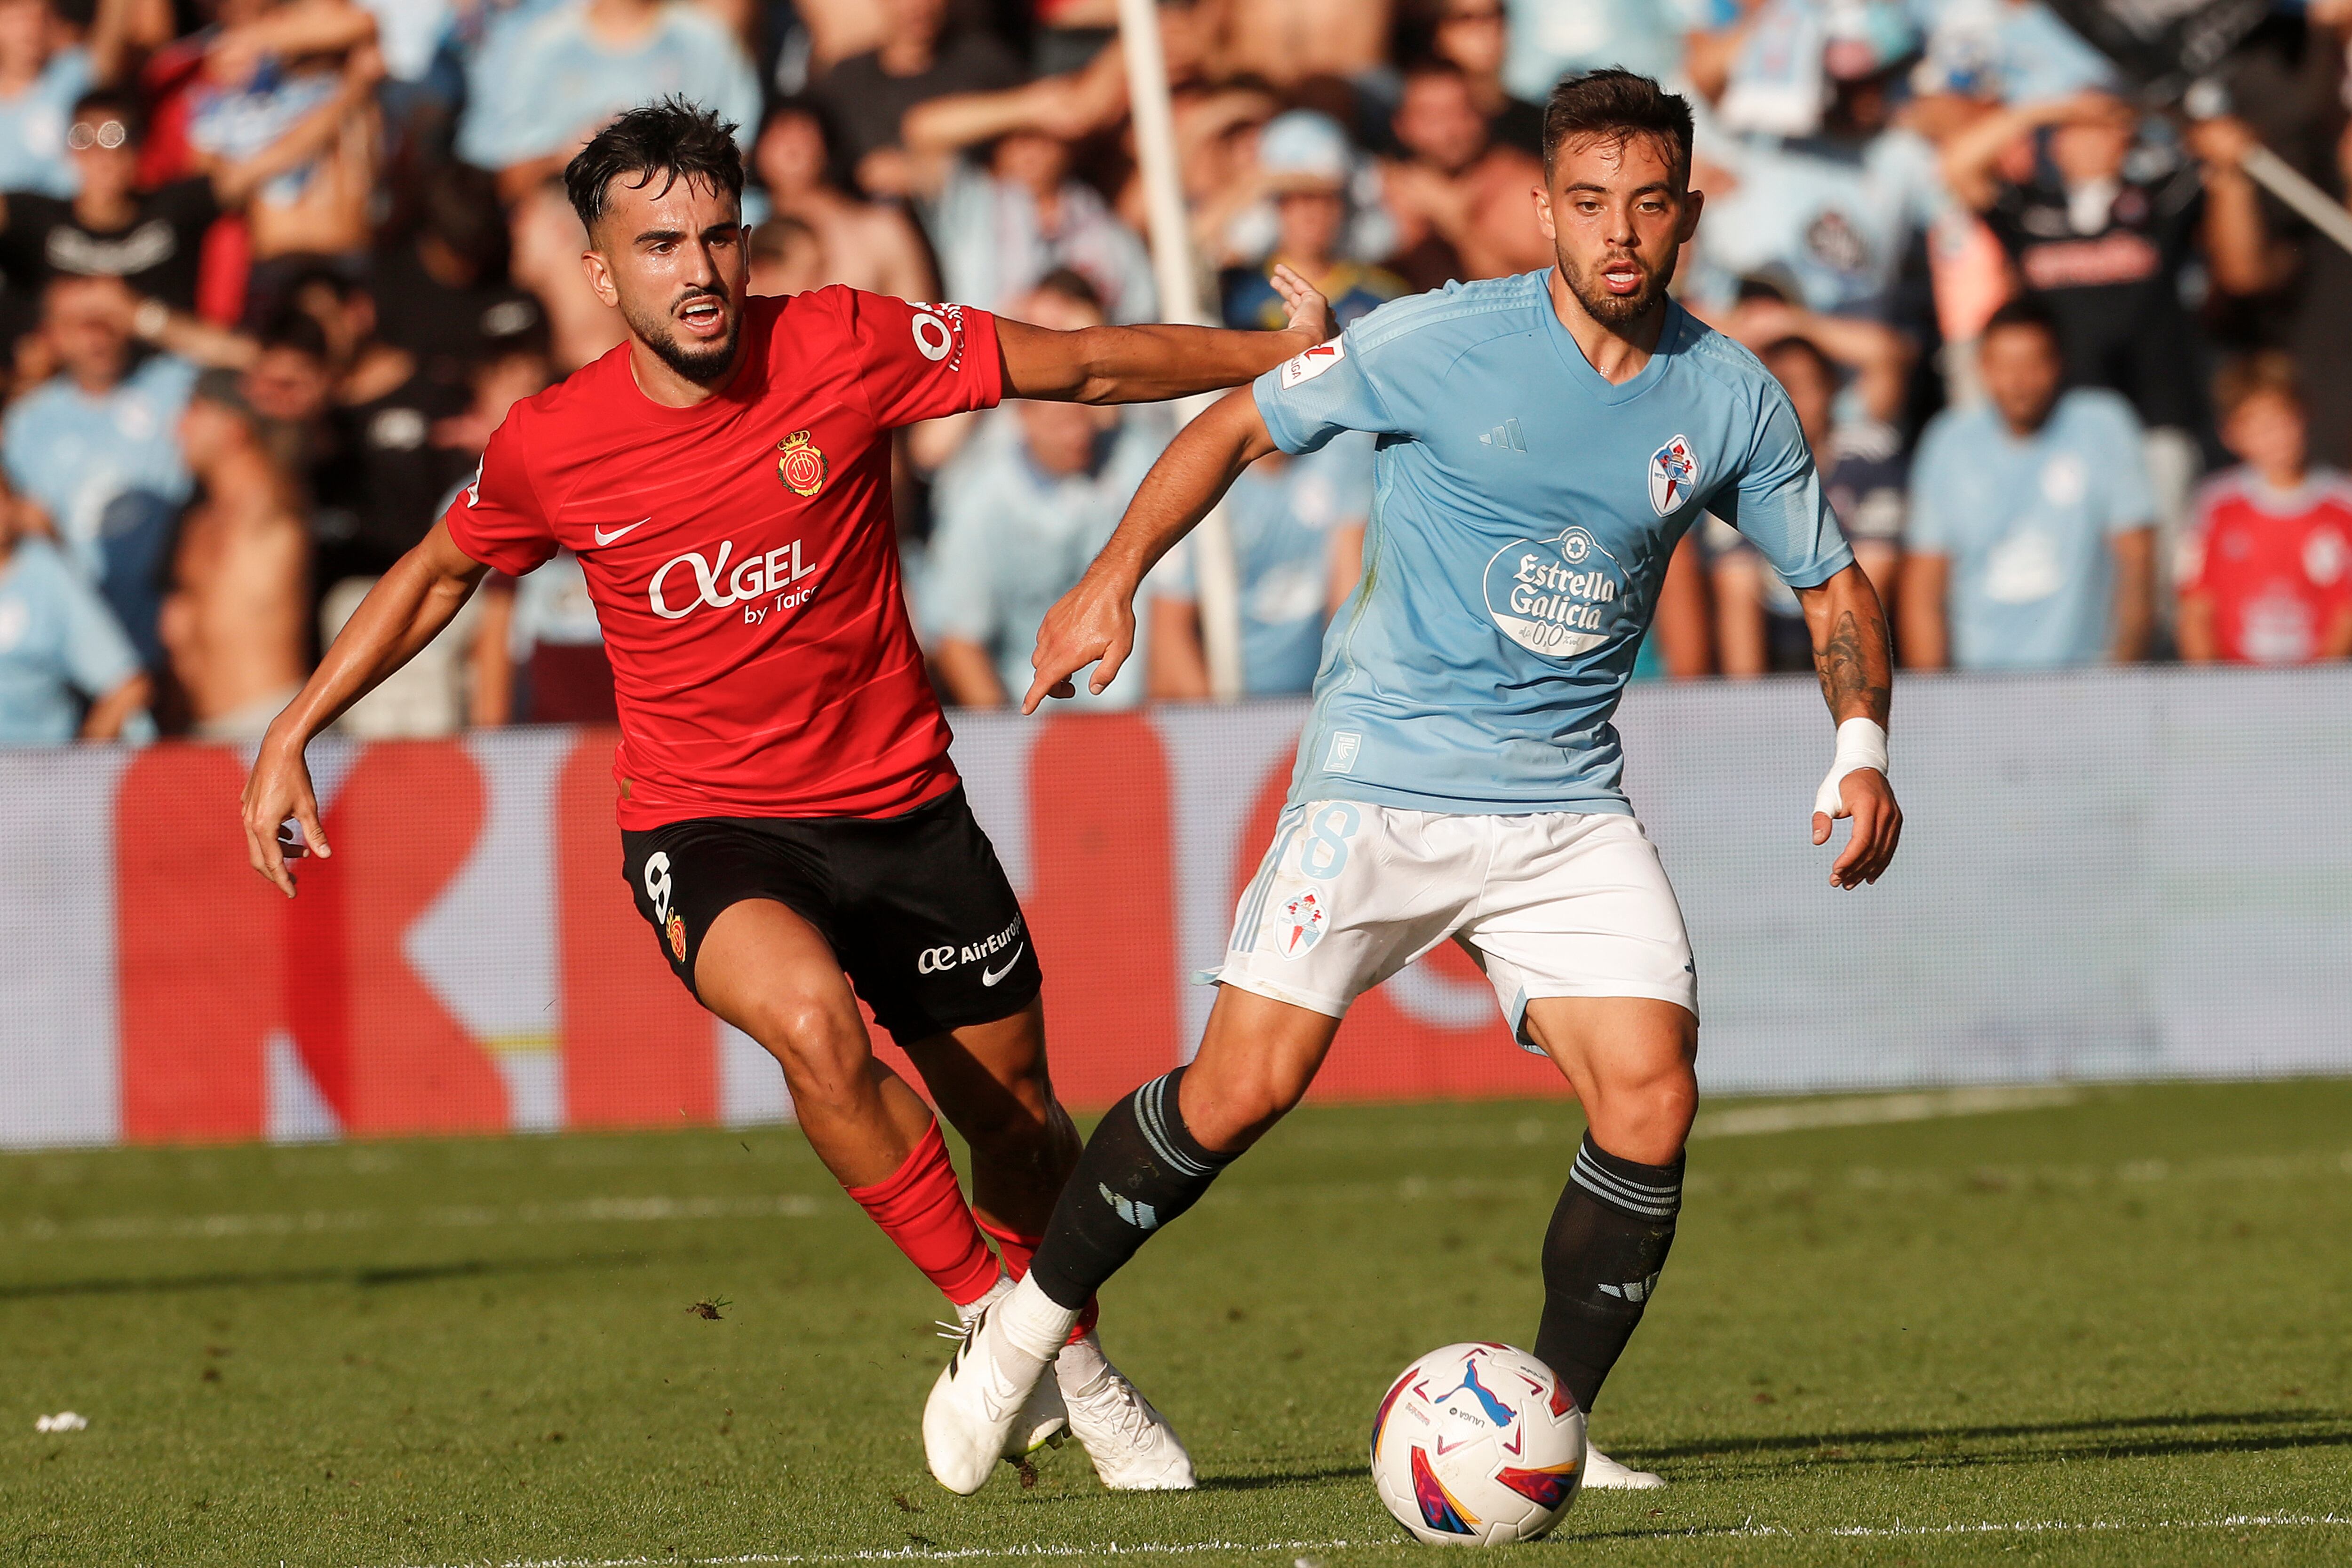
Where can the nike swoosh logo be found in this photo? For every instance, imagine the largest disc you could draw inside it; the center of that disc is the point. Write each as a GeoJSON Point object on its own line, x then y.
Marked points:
{"type": "Point", "coordinates": [605, 538]}
{"type": "Point", "coordinates": [989, 976]}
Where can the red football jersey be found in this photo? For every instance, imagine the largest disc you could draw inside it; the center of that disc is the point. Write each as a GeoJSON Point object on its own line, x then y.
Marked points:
{"type": "Point", "coordinates": [743, 558]}
{"type": "Point", "coordinates": [2277, 566]}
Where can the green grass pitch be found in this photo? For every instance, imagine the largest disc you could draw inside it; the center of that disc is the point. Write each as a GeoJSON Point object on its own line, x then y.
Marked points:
{"type": "Point", "coordinates": [2105, 1326]}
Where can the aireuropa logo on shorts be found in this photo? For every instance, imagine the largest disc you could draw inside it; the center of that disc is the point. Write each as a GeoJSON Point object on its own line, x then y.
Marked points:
{"type": "Point", "coordinates": [755, 577]}
{"type": "Point", "coordinates": [940, 960]}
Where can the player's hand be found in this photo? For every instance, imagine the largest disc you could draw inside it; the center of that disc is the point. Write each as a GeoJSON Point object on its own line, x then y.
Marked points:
{"type": "Point", "coordinates": [1864, 796]}
{"type": "Point", "coordinates": [279, 788]}
{"type": "Point", "coordinates": [1094, 624]}
{"type": "Point", "coordinates": [1310, 313]}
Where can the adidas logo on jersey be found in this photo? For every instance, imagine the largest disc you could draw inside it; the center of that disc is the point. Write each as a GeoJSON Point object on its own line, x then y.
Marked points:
{"type": "Point", "coordinates": [1505, 436]}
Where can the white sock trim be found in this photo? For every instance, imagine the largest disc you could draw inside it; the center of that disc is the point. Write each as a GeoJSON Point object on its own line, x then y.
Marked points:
{"type": "Point", "coordinates": [1033, 1323]}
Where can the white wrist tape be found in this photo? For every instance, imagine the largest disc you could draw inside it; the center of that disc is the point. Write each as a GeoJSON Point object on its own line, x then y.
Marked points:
{"type": "Point", "coordinates": [1861, 743]}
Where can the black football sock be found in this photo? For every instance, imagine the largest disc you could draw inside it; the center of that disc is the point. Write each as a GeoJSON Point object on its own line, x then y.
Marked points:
{"type": "Point", "coordinates": [1608, 1240]}
{"type": "Point", "coordinates": [1141, 1170]}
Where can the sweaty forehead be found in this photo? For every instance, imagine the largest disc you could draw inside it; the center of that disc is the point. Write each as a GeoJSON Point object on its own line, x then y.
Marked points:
{"type": "Point", "coordinates": [1626, 158]}
{"type": "Point", "coordinates": [633, 203]}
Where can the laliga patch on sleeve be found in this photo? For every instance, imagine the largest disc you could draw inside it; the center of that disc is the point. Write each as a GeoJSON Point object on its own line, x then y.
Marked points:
{"type": "Point", "coordinates": [1305, 367]}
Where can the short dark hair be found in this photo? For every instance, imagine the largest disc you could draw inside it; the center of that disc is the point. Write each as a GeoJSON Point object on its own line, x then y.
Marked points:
{"type": "Point", "coordinates": [1071, 284]}
{"type": "Point", "coordinates": [1617, 105]}
{"type": "Point", "coordinates": [297, 330]}
{"type": "Point", "coordinates": [112, 103]}
{"type": "Point", "coordinates": [675, 139]}
{"type": "Point", "coordinates": [2265, 372]}
{"type": "Point", "coordinates": [2024, 310]}
{"type": "Point", "coordinates": [772, 238]}
{"type": "Point", "coordinates": [1804, 346]}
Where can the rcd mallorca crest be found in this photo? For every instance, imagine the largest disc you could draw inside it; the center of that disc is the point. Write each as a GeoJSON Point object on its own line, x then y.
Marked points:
{"type": "Point", "coordinates": [801, 466]}
{"type": "Point", "coordinates": [1300, 923]}
{"type": "Point", "coordinates": [1674, 474]}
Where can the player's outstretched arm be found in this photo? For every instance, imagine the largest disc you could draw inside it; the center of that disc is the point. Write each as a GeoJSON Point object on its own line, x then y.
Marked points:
{"type": "Point", "coordinates": [1857, 664]}
{"type": "Point", "coordinates": [405, 609]}
{"type": "Point", "coordinates": [1148, 364]}
{"type": "Point", "coordinates": [1094, 624]}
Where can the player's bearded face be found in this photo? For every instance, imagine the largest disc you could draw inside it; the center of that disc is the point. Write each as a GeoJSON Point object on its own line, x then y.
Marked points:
{"type": "Point", "coordinates": [694, 331]}
{"type": "Point", "coordinates": [670, 254]}
{"type": "Point", "coordinates": [1619, 212]}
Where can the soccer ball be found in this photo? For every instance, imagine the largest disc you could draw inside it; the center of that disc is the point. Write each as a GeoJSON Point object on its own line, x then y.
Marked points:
{"type": "Point", "coordinates": [1477, 1445]}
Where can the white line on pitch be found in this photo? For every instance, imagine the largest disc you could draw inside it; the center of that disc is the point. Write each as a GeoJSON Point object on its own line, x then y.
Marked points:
{"type": "Point", "coordinates": [1874, 1110]}
{"type": "Point", "coordinates": [1194, 1548]}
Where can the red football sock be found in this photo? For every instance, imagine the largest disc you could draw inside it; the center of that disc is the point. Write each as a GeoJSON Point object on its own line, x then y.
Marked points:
{"type": "Point", "coordinates": [1018, 1250]}
{"type": "Point", "coordinates": [921, 1208]}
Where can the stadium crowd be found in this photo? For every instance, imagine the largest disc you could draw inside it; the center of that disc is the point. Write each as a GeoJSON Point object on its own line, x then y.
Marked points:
{"type": "Point", "coordinates": [272, 270]}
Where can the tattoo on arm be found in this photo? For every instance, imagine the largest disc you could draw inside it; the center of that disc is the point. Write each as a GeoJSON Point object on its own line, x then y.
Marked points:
{"type": "Point", "coordinates": [1854, 669]}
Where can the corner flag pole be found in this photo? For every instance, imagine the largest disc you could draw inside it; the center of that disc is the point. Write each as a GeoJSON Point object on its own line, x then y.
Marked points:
{"type": "Point", "coordinates": [1216, 577]}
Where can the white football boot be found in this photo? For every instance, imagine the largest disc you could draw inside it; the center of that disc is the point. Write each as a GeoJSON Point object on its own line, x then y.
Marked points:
{"type": "Point", "coordinates": [1132, 1446]}
{"type": "Point", "coordinates": [969, 1420]}
{"type": "Point", "coordinates": [1602, 1473]}
{"type": "Point", "coordinates": [1043, 1422]}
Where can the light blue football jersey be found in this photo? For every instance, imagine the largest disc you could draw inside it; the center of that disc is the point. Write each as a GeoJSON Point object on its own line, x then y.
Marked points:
{"type": "Point", "coordinates": [1523, 511]}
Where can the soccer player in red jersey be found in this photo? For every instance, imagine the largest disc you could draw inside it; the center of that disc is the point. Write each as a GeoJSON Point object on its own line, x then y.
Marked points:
{"type": "Point", "coordinates": [792, 826]}
{"type": "Point", "coordinates": [2267, 573]}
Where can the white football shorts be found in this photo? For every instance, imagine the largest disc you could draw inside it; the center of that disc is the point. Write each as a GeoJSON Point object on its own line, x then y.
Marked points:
{"type": "Point", "coordinates": [1558, 904]}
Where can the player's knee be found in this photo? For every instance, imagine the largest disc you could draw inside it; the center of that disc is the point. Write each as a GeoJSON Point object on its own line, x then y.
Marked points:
{"type": "Point", "coordinates": [1646, 1118]}
{"type": "Point", "coordinates": [821, 1048]}
{"type": "Point", "coordinates": [1228, 1112]}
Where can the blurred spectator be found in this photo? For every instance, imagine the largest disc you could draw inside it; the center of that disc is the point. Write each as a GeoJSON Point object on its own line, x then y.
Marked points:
{"type": "Point", "coordinates": [289, 386]}
{"type": "Point", "coordinates": [96, 447]}
{"type": "Point", "coordinates": [379, 482]}
{"type": "Point", "coordinates": [865, 244]}
{"type": "Point", "coordinates": [1827, 208]}
{"type": "Point", "coordinates": [41, 78]}
{"type": "Point", "coordinates": [1474, 36]}
{"type": "Point", "coordinates": [2267, 573]}
{"type": "Point", "coordinates": [865, 97]}
{"type": "Point", "coordinates": [575, 68]}
{"type": "Point", "coordinates": [2007, 51]}
{"type": "Point", "coordinates": [547, 241]}
{"type": "Point", "coordinates": [1305, 151]}
{"type": "Point", "coordinates": [1304, 167]}
{"type": "Point", "coordinates": [65, 668]}
{"type": "Point", "coordinates": [1298, 546]}
{"type": "Point", "coordinates": [1021, 510]}
{"type": "Point", "coordinates": [538, 654]}
{"type": "Point", "coordinates": [295, 139]}
{"type": "Point", "coordinates": [1759, 624]}
{"type": "Point", "coordinates": [2030, 541]}
{"type": "Point", "coordinates": [1001, 228]}
{"type": "Point", "coordinates": [111, 227]}
{"type": "Point", "coordinates": [236, 621]}
{"type": "Point", "coordinates": [1066, 33]}
{"type": "Point", "coordinates": [390, 470]}
{"type": "Point", "coordinates": [1464, 203]}
{"type": "Point", "coordinates": [787, 257]}
{"type": "Point", "coordinates": [2321, 328]}
{"type": "Point", "coordinates": [2103, 225]}
{"type": "Point", "coordinates": [443, 295]}
{"type": "Point", "coordinates": [1551, 38]}
{"type": "Point", "coordinates": [1292, 42]}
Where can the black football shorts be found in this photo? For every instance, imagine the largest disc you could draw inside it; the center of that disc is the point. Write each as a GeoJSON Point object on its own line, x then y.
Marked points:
{"type": "Point", "coordinates": [917, 908]}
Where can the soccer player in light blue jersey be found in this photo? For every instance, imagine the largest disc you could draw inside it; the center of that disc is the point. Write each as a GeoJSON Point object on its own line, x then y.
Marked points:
{"type": "Point", "coordinates": [1543, 442]}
